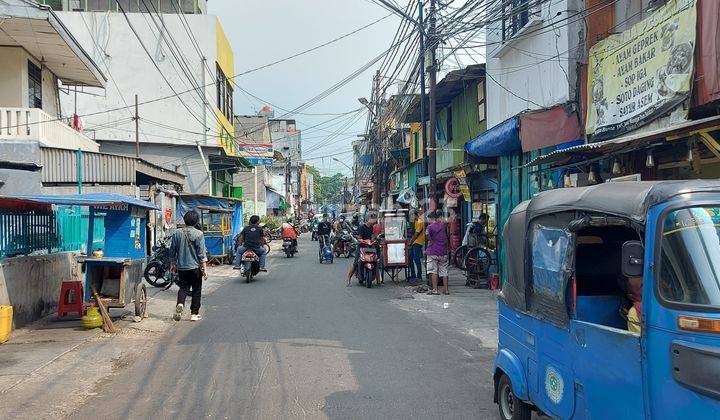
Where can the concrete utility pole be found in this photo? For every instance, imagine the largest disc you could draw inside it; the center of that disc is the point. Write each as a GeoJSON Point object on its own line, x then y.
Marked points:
{"type": "Point", "coordinates": [298, 201]}
{"type": "Point", "coordinates": [433, 85]}
{"type": "Point", "coordinates": [423, 118]}
{"type": "Point", "coordinates": [288, 179]}
{"type": "Point", "coordinates": [137, 129]}
{"type": "Point", "coordinates": [377, 158]}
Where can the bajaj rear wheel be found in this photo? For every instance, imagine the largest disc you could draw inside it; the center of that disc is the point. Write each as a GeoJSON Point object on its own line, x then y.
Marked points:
{"type": "Point", "coordinates": [511, 408]}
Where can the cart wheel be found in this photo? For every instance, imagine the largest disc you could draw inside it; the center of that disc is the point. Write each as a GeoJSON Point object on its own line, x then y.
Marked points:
{"type": "Point", "coordinates": [141, 301]}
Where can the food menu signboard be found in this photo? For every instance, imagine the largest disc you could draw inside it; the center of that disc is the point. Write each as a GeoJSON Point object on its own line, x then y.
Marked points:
{"type": "Point", "coordinates": [640, 74]}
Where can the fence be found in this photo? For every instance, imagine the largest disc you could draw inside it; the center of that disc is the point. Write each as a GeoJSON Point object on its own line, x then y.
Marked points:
{"type": "Point", "coordinates": [23, 232]}
{"type": "Point", "coordinates": [72, 226]}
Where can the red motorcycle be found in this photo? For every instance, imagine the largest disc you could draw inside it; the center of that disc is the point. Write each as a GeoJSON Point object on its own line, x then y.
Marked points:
{"type": "Point", "coordinates": [366, 270]}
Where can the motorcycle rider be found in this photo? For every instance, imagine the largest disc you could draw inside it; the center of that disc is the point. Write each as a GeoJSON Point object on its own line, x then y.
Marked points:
{"type": "Point", "coordinates": [364, 232]}
{"type": "Point", "coordinates": [324, 229]}
{"type": "Point", "coordinates": [251, 237]}
{"type": "Point", "coordinates": [289, 231]}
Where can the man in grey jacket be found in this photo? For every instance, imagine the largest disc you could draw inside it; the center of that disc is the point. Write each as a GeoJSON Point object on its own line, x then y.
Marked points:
{"type": "Point", "coordinates": [188, 259]}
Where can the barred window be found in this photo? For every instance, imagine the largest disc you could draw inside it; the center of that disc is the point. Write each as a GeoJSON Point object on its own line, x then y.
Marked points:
{"type": "Point", "coordinates": [516, 14]}
{"type": "Point", "coordinates": [34, 86]}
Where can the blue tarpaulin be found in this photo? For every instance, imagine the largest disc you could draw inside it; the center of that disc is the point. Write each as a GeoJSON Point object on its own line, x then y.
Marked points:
{"type": "Point", "coordinates": [188, 202]}
{"type": "Point", "coordinates": [500, 140]}
{"type": "Point", "coordinates": [237, 223]}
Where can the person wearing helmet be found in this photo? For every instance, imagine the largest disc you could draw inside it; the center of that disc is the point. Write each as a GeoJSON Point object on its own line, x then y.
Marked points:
{"type": "Point", "coordinates": [251, 237]}
{"type": "Point", "coordinates": [289, 231]}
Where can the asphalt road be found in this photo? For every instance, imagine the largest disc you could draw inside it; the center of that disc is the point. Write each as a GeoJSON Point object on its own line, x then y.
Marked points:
{"type": "Point", "coordinates": [297, 343]}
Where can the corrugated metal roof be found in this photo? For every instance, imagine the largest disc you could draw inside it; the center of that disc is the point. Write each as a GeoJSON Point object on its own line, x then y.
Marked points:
{"type": "Point", "coordinates": [625, 143]}
{"type": "Point", "coordinates": [60, 166]}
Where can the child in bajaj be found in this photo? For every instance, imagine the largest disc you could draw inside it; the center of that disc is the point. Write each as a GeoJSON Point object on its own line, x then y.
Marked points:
{"type": "Point", "coordinates": [251, 237]}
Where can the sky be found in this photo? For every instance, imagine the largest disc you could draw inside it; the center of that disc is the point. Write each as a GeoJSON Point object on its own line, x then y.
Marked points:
{"type": "Point", "coordinates": [261, 32]}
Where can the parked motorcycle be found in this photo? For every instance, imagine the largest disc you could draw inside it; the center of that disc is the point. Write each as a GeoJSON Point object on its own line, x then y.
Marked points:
{"type": "Point", "coordinates": [344, 244]}
{"type": "Point", "coordinates": [289, 247]}
{"type": "Point", "coordinates": [366, 270]}
{"type": "Point", "coordinates": [157, 272]}
{"type": "Point", "coordinates": [249, 265]}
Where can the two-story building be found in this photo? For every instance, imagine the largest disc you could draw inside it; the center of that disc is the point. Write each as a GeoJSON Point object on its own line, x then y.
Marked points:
{"type": "Point", "coordinates": [176, 62]}
{"type": "Point", "coordinates": [43, 148]}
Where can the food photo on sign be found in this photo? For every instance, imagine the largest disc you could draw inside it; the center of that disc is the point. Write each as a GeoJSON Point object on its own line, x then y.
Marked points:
{"type": "Point", "coordinates": [642, 73]}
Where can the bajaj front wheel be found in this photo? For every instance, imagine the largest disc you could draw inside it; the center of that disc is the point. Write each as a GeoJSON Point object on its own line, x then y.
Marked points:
{"type": "Point", "coordinates": [511, 408]}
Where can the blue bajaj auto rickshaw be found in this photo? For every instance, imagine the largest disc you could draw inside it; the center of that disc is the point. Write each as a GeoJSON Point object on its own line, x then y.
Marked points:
{"type": "Point", "coordinates": [611, 304]}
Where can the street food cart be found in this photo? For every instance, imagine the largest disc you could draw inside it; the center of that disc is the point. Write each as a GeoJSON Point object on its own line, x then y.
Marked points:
{"type": "Point", "coordinates": [221, 219]}
{"type": "Point", "coordinates": [217, 227]}
{"type": "Point", "coordinates": [116, 271]}
{"type": "Point", "coordinates": [394, 242]}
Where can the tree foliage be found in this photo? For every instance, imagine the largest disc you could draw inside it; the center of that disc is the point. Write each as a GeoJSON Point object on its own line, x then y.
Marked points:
{"type": "Point", "coordinates": [327, 189]}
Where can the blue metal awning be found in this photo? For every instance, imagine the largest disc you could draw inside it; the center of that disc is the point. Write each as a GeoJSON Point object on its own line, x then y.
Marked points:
{"type": "Point", "coordinates": [98, 199]}
{"type": "Point", "coordinates": [500, 140]}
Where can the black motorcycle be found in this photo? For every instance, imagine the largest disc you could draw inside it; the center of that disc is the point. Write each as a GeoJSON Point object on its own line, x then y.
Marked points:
{"type": "Point", "coordinates": [289, 247]}
{"type": "Point", "coordinates": [157, 272]}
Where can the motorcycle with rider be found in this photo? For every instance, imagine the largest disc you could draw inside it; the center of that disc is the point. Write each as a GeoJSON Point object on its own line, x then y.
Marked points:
{"type": "Point", "coordinates": [250, 250]}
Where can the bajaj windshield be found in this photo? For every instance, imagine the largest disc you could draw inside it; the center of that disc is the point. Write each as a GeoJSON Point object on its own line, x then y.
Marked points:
{"type": "Point", "coordinates": [690, 257]}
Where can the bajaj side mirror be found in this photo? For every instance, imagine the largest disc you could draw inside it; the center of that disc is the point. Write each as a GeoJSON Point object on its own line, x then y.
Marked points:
{"type": "Point", "coordinates": [633, 256]}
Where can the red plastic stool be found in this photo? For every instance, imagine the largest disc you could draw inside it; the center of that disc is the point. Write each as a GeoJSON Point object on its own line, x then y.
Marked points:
{"type": "Point", "coordinates": [71, 298]}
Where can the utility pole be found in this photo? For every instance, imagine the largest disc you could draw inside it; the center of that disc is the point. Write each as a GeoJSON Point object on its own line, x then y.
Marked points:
{"type": "Point", "coordinates": [379, 178]}
{"type": "Point", "coordinates": [423, 118]}
{"type": "Point", "coordinates": [288, 178]}
{"type": "Point", "coordinates": [137, 129]}
{"type": "Point", "coordinates": [298, 201]}
{"type": "Point", "coordinates": [432, 40]}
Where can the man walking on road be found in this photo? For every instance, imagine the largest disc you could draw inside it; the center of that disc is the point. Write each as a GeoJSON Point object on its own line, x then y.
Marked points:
{"type": "Point", "coordinates": [437, 252]}
{"type": "Point", "coordinates": [188, 259]}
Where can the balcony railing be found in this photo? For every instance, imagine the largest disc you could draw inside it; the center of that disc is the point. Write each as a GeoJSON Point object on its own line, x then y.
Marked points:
{"type": "Point", "coordinates": [35, 124]}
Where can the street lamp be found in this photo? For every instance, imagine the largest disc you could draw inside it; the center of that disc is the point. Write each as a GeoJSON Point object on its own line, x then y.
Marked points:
{"type": "Point", "coordinates": [366, 104]}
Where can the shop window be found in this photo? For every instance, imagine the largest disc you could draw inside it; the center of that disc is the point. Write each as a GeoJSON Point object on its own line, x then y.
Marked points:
{"type": "Point", "coordinates": [516, 15]}
{"type": "Point", "coordinates": [34, 86]}
{"type": "Point", "coordinates": [481, 100]}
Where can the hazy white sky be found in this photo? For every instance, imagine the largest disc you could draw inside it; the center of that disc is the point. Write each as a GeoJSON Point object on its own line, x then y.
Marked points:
{"type": "Point", "coordinates": [267, 30]}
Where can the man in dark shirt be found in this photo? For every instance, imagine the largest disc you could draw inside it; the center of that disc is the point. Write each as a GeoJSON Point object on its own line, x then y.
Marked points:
{"type": "Point", "coordinates": [365, 232]}
{"type": "Point", "coordinates": [251, 237]}
{"type": "Point", "coordinates": [324, 229]}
